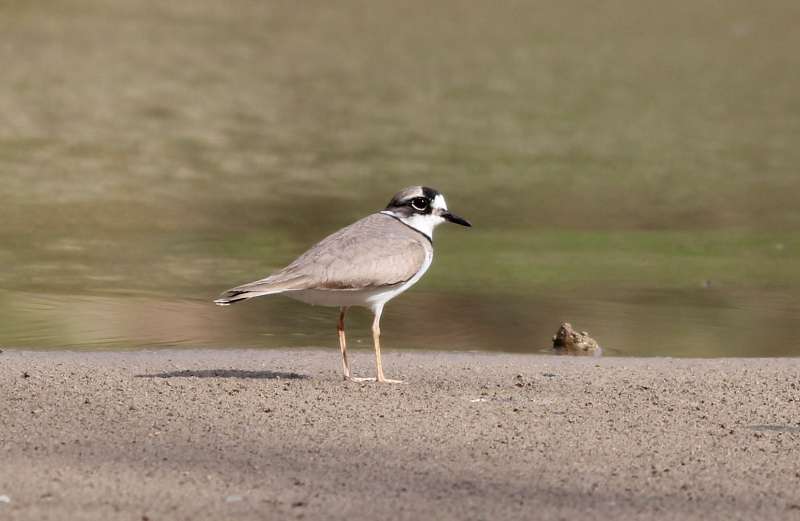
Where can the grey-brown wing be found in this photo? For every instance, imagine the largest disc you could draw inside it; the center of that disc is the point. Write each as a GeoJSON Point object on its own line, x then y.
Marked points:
{"type": "Point", "coordinates": [375, 251]}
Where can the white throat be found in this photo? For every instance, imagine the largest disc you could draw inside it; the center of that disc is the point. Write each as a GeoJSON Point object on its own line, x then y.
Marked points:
{"type": "Point", "coordinates": [424, 223]}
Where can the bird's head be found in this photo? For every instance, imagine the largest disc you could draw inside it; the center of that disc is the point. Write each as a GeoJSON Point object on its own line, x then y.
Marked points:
{"type": "Point", "coordinates": [423, 209]}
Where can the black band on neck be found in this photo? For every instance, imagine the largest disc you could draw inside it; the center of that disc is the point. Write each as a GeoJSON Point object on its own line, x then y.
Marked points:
{"type": "Point", "coordinates": [430, 240]}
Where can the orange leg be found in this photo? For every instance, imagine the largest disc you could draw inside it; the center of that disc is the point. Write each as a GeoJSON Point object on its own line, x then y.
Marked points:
{"type": "Point", "coordinates": [376, 340]}
{"type": "Point", "coordinates": [343, 343]}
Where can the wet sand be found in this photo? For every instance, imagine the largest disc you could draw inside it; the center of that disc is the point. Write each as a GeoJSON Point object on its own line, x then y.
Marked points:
{"type": "Point", "coordinates": [232, 434]}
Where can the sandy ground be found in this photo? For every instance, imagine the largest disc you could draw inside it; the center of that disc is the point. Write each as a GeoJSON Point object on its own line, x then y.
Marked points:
{"type": "Point", "coordinates": [276, 434]}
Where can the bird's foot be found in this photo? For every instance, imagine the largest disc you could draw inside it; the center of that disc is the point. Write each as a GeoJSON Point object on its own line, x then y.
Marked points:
{"type": "Point", "coordinates": [390, 381]}
{"type": "Point", "coordinates": [379, 380]}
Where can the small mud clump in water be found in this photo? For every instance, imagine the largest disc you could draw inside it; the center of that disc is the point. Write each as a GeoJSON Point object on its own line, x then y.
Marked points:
{"type": "Point", "coordinates": [567, 340]}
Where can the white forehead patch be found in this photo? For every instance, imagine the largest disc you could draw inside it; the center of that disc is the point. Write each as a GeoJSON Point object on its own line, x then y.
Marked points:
{"type": "Point", "coordinates": [439, 202]}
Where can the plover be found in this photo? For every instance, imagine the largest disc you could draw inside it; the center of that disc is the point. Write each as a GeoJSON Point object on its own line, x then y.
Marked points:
{"type": "Point", "coordinates": [365, 264]}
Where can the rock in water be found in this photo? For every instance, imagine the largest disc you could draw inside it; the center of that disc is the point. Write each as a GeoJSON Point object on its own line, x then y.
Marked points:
{"type": "Point", "coordinates": [569, 340]}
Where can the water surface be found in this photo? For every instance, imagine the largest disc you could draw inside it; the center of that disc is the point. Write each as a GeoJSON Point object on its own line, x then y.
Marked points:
{"type": "Point", "coordinates": [631, 169]}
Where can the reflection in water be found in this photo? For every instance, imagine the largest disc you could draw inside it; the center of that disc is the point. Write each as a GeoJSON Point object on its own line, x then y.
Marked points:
{"type": "Point", "coordinates": [671, 324]}
{"type": "Point", "coordinates": [153, 154]}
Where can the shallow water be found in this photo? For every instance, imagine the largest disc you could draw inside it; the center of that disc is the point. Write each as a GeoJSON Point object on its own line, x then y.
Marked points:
{"type": "Point", "coordinates": [632, 170]}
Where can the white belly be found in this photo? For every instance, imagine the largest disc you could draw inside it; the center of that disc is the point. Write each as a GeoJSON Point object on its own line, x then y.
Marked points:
{"type": "Point", "coordinates": [368, 298]}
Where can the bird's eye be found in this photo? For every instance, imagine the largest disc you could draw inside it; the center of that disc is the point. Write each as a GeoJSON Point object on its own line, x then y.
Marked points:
{"type": "Point", "coordinates": [419, 203]}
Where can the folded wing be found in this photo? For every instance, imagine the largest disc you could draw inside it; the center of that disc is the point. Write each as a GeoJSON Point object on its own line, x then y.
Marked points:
{"type": "Point", "coordinates": [373, 252]}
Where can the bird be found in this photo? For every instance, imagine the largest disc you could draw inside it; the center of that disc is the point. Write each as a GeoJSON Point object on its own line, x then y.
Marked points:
{"type": "Point", "coordinates": [365, 264]}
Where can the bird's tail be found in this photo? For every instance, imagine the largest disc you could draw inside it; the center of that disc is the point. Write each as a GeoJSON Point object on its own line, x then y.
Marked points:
{"type": "Point", "coordinates": [233, 296]}
{"type": "Point", "coordinates": [269, 286]}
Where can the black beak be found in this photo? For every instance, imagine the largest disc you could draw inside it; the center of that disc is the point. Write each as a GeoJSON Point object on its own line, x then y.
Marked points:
{"type": "Point", "coordinates": [453, 218]}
